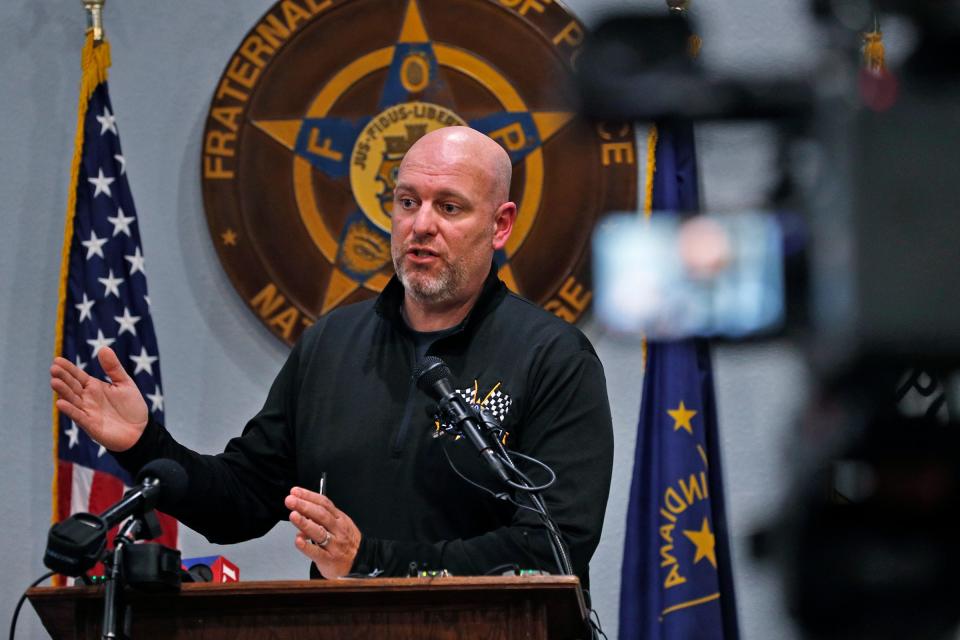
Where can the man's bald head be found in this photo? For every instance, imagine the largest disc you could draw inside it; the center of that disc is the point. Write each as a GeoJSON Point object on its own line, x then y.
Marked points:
{"type": "Point", "coordinates": [463, 144]}
{"type": "Point", "coordinates": [451, 214]}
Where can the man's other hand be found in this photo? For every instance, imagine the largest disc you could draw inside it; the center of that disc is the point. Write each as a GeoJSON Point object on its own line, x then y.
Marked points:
{"type": "Point", "coordinates": [326, 535]}
{"type": "Point", "coordinates": [114, 414]}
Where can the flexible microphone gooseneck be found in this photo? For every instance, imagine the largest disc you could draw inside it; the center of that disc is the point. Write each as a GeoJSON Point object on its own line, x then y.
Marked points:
{"type": "Point", "coordinates": [432, 376]}
{"type": "Point", "coordinates": [160, 482]}
{"type": "Point", "coordinates": [75, 545]}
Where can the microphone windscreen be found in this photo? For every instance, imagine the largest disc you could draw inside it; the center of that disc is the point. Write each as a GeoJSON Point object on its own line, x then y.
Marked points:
{"type": "Point", "coordinates": [429, 371]}
{"type": "Point", "coordinates": [171, 476]}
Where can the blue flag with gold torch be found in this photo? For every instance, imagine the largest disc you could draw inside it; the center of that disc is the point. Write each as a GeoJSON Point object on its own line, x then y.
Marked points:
{"type": "Point", "coordinates": [676, 579]}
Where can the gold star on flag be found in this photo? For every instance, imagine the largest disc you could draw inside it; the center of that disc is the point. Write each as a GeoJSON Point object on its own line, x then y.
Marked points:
{"type": "Point", "coordinates": [229, 238]}
{"type": "Point", "coordinates": [705, 543]}
{"type": "Point", "coordinates": [681, 418]}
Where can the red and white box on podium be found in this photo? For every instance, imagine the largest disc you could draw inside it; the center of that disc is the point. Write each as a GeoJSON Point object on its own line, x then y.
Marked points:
{"type": "Point", "coordinates": [218, 568]}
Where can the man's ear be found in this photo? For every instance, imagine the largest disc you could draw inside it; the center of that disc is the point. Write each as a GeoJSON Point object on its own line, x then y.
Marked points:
{"type": "Point", "coordinates": [503, 220]}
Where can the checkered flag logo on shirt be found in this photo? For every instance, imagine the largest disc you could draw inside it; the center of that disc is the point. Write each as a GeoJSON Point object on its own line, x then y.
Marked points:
{"type": "Point", "coordinates": [496, 403]}
{"type": "Point", "coordinates": [103, 298]}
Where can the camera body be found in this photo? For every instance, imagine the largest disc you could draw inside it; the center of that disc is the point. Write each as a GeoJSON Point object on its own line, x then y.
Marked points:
{"type": "Point", "coordinates": [866, 541]}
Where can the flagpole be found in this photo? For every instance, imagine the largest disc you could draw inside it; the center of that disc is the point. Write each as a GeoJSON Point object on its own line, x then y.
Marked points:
{"type": "Point", "coordinates": [95, 17]}
{"type": "Point", "coordinates": [94, 61]}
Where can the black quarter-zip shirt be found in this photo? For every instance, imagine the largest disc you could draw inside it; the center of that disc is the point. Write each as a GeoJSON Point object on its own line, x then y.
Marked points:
{"type": "Point", "coordinates": [345, 403]}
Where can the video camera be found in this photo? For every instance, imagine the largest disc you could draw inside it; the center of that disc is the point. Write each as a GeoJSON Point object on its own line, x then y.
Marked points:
{"type": "Point", "coordinates": [867, 541]}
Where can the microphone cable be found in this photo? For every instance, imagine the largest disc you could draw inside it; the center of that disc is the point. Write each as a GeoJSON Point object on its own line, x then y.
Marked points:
{"type": "Point", "coordinates": [23, 598]}
{"type": "Point", "coordinates": [553, 533]}
{"type": "Point", "coordinates": [557, 545]}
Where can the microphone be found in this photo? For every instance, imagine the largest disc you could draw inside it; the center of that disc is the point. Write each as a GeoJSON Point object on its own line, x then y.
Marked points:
{"type": "Point", "coordinates": [160, 479]}
{"type": "Point", "coordinates": [75, 544]}
{"type": "Point", "coordinates": [432, 376]}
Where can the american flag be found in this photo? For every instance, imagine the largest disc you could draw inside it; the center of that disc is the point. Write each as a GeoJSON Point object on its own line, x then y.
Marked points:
{"type": "Point", "coordinates": [103, 297]}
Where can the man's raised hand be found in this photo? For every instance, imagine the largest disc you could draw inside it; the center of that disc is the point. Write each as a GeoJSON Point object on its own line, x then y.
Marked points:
{"type": "Point", "coordinates": [114, 415]}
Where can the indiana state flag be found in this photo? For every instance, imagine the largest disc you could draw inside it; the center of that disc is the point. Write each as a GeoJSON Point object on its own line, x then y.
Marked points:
{"type": "Point", "coordinates": [676, 580]}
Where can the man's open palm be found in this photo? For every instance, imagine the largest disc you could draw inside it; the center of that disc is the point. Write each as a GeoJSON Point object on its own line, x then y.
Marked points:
{"type": "Point", "coordinates": [114, 415]}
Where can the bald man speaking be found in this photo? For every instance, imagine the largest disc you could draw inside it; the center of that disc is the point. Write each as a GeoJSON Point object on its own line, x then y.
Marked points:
{"type": "Point", "coordinates": [344, 404]}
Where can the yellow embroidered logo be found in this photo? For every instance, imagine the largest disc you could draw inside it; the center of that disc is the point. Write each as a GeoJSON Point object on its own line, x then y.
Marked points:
{"type": "Point", "coordinates": [492, 407]}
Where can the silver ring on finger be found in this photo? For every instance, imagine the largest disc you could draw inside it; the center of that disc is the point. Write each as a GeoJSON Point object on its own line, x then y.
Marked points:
{"type": "Point", "coordinates": [326, 539]}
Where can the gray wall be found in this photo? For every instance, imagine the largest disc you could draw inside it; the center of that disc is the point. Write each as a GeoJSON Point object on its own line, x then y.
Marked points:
{"type": "Point", "coordinates": [218, 360]}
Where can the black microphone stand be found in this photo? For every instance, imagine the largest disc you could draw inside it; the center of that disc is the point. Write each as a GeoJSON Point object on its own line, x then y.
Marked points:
{"type": "Point", "coordinates": [113, 597]}
{"type": "Point", "coordinates": [433, 377]}
{"type": "Point", "coordinates": [115, 614]}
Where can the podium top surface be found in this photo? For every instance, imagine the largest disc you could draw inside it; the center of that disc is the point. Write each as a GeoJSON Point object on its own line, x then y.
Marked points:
{"type": "Point", "coordinates": [559, 596]}
{"type": "Point", "coordinates": [569, 585]}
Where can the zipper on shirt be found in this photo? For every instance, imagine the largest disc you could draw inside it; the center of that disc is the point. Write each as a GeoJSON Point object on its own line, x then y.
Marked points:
{"type": "Point", "coordinates": [408, 408]}
{"type": "Point", "coordinates": [412, 391]}
{"type": "Point", "coordinates": [405, 421]}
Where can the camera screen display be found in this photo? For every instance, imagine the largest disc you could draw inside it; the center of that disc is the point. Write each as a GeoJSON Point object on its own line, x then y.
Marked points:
{"type": "Point", "coordinates": [708, 275]}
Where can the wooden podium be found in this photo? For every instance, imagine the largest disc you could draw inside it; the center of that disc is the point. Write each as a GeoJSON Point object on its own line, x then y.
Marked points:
{"type": "Point", "coordinates": [501, 608]}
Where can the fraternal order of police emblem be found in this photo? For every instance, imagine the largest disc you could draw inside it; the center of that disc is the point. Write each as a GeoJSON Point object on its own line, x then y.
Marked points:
{"type": "Point", "coordinates": [321, 100]}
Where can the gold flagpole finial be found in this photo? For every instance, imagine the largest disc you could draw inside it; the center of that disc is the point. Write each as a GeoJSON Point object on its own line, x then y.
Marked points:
{"type": "Point", "coordinates": [679, 8]}
{"type": "Point", "coordinates": [874, 58]}
{"type": "Point", "coordinates": [95, 17]}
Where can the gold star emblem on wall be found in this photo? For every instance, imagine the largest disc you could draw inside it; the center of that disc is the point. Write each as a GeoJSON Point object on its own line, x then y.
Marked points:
{"type": "Point", "coordinates": [681, 418]}
{"type": "Point", "coordinates": [705, 542]}
{"type": "Point", "coordinates": [229, 238]}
